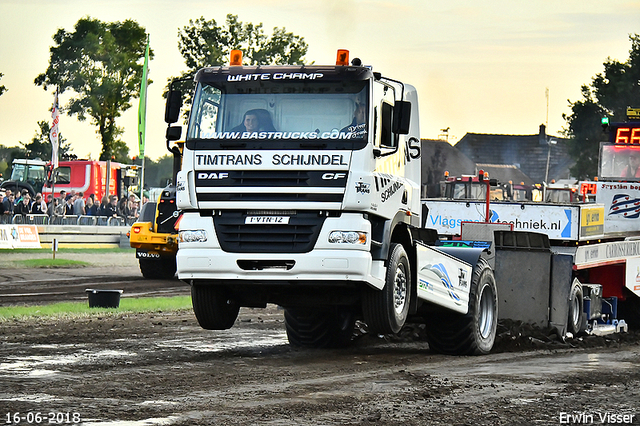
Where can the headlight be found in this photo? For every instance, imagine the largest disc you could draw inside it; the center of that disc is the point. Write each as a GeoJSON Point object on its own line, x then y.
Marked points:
{"type": "Point", "coordinates": [197, 236]}
{"type": "Point", "coordinates": [348, 237]}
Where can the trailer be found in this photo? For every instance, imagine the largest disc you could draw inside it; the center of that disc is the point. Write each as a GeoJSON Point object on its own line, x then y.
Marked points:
{"type": "Point", "coordinates": [596, 225]}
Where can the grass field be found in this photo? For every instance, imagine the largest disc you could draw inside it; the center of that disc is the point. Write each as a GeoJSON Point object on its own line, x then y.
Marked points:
{"type": "Point", "coordinates": [66, 257]}
{"type": "Point", "coordinates": [80, 309]}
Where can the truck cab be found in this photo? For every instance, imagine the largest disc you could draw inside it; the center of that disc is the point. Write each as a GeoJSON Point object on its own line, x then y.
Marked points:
{"type": "Point", "coordinates": [300, 186]}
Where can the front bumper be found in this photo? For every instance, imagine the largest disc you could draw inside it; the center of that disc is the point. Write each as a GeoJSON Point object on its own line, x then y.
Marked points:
{"type": "Point", "coordinates": [315, 266]}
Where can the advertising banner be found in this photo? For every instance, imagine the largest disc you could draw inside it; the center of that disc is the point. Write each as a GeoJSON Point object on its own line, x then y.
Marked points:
{"type": "Point", "coordinates": [558, 222]}
{"type": "Point", "coordinates": [19, 236]}
{"type": "Point", "coordinates": [621, 206]}
{"type": "Point", "coordinates": [633, 275]}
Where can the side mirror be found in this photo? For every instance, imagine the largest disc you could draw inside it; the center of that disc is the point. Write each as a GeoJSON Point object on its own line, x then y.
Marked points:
{"type": "Point", "coordinates": [172, 109]}
{"type": "Point", "coordinates": [174, 133]}
{"type": "Point", "coordinates": [401, 117]}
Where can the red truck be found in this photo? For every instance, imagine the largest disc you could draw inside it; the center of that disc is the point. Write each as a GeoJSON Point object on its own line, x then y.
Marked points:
{"type": "Point", "coordinates": [86, 176]}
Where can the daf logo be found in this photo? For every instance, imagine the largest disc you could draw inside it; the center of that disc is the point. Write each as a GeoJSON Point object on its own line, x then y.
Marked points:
{"type": "Point", "coordinates": [332, 176]}
{"type": "Point", "coordinates": [213, 175]}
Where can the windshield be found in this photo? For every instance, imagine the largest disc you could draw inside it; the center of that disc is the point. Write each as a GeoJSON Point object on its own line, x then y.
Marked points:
{"type": "Point", "coordinates": [469, 191]}
{"type": "Point", "coordinates": [268, 110]}
{"type": "Point", "coordinates": [620, 162]}
{"type": "Point", "coordinates": [27, 173]}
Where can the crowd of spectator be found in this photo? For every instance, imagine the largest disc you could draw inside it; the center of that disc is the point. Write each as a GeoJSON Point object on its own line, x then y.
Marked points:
{"type": "Point", "coordinates": [71, 204]}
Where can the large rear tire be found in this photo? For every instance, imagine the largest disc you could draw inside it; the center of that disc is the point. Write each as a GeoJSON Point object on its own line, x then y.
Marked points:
{"type": "Point", "coordinates": [473, 333]}
{"type": "Point", "coordinates": [385, 311]}
{"type": "Point", "coordinates": [319, 328]}
{"type": "Point", "coordinates": [168, 267]}
{"type": "Point", "coordinates": [150, 268]}
{"type": "Point", "coordinates": [163, 268]}
{"type": "Point", "coordinates": [213, 307]}
{"type": "Point", "coordinates": [629, 310]}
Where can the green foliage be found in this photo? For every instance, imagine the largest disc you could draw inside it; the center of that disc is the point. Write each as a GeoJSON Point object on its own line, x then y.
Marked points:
{"type": "Point", "coordinates": [156, 173]}
{"type": "Point", "coordinates": [2, 88]}
{"type": "Point", "coordinates": [7, 154]}
{"type": "Point", "coordinates": [203, 43]}
{"type": "Point", "coordinates": [40, 145]}
{"type": "Point", "coordinates": [610, 93]}
{"type": "Point", "coordinates": [102, 64]}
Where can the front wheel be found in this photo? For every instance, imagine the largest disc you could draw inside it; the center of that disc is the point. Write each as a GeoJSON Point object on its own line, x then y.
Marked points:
{"type": "Point", "coordinates": [475, 332]}
{"type": "Point", "coordinates": [385, 311]}
{"type": "Point", "coordinates": [214, 307]}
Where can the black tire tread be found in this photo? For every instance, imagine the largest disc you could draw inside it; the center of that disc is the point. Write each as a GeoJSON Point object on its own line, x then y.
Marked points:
{"type": "Point", "coordinates": [575, 329]}
{"type": "Point", "coordinates": [452, 333]}
{"type": "Point", "coordinates": [212, 307]}
{"type": "Point", "coordinates": [377, 305]}
{"type": "Point", "coordinates": [163, 268]}
{"type": "Point", "coordinates": [319, 328]}
{"type": "Point", "coordinates": [150, 268]}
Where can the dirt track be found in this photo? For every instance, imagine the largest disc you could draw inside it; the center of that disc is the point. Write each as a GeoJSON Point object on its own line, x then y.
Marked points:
{"type": "Point", "coordinates": [162, 368]}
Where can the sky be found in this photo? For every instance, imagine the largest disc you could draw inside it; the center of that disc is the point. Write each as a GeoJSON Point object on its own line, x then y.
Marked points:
{"type": "Point", "coordinates": [499, 66]}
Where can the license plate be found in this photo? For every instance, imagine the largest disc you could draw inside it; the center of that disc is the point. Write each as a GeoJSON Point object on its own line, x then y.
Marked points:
{"type": "Point", "coordinates": [266, 220]}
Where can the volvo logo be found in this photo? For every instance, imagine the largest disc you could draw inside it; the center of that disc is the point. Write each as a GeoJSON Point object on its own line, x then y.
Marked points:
{"type": "Point", "coordinates": [332, 176]}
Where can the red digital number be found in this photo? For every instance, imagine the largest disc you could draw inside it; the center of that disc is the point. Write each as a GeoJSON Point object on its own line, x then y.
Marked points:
{"type": "Point", "coordinates": [588, 188]}
{"type": "Point", "coordinates": [627, 135]}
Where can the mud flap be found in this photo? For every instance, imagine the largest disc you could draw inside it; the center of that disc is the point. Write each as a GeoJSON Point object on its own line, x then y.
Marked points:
{"type": "Point", "coordinates": [443, 279]}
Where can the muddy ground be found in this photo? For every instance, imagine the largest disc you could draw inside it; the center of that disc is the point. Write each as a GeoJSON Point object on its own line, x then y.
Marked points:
{"type": "Point", "coordinates": [163, 369]}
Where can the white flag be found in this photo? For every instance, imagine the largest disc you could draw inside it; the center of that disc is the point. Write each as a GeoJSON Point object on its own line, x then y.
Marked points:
{"type": "Point", "coordinates": [54, 133]}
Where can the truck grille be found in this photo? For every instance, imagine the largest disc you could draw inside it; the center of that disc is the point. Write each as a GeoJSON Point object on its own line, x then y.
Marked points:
{"type": "Point", "coordinates": [284, 185]}
{"type": "Point", "coordinates": [298, 236]}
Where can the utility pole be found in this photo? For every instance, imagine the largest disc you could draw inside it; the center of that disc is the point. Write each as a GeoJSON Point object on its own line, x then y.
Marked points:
{"type": "Point", "coordinates": [546, 174]}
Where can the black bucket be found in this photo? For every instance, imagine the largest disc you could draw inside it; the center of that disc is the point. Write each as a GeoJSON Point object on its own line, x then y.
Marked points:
{"type": "Point", "coordinates": [103, 298]}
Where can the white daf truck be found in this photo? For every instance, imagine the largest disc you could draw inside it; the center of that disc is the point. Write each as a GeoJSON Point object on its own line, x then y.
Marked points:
{"type": "Point", "coordinates": [300, 187]}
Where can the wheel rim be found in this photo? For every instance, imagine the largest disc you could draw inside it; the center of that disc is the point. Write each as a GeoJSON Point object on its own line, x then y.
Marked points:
{"type": "Point", "coordinates": [400, 290]}
{"type": "Point", "coordinates": [486, 316]}
{"type": "Point", "coordinates": [575, 310]}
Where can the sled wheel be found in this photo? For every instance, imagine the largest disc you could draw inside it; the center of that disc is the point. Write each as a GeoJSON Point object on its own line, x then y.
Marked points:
{"type": "Point", "coordinates": [576, 314]}
{"type": "Point", "coordinates": [385, 311]}
{"type": "Point", "coordinates": [475, 332]}
{"type": "Point", "coordinates": [319, 328]}
{"type": "Point", "coordinates": [213, 307]}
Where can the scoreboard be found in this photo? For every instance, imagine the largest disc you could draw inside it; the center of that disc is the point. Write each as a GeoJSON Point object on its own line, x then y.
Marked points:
{"type": "Point", "coordinates": [626, 133]}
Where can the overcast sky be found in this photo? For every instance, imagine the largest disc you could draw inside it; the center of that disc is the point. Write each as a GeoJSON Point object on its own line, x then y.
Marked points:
{"type": "Point", "coordinates": [479, 66]}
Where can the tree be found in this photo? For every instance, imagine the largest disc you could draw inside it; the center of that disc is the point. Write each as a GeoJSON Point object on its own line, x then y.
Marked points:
{"type": "Point", "coordinates": [102, 64]}
{"type": "Point", "coordinates": [40, 145]}
{"type": "Point", "coordinates": [2, 88]}
{"type": "Point", "coordinates": [609, 94]}
{"type": "Point", "coordinates": [7, 155]}
{"type": "Point", "coordinates": [203, 43]}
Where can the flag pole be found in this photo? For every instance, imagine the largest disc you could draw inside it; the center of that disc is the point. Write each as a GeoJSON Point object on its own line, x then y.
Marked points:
{"type": "Point", "coordinates": [54, 134]}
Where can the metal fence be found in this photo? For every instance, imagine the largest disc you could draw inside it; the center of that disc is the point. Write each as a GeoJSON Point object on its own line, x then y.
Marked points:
{"type": "Point", "coordinates": [43, 219]}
